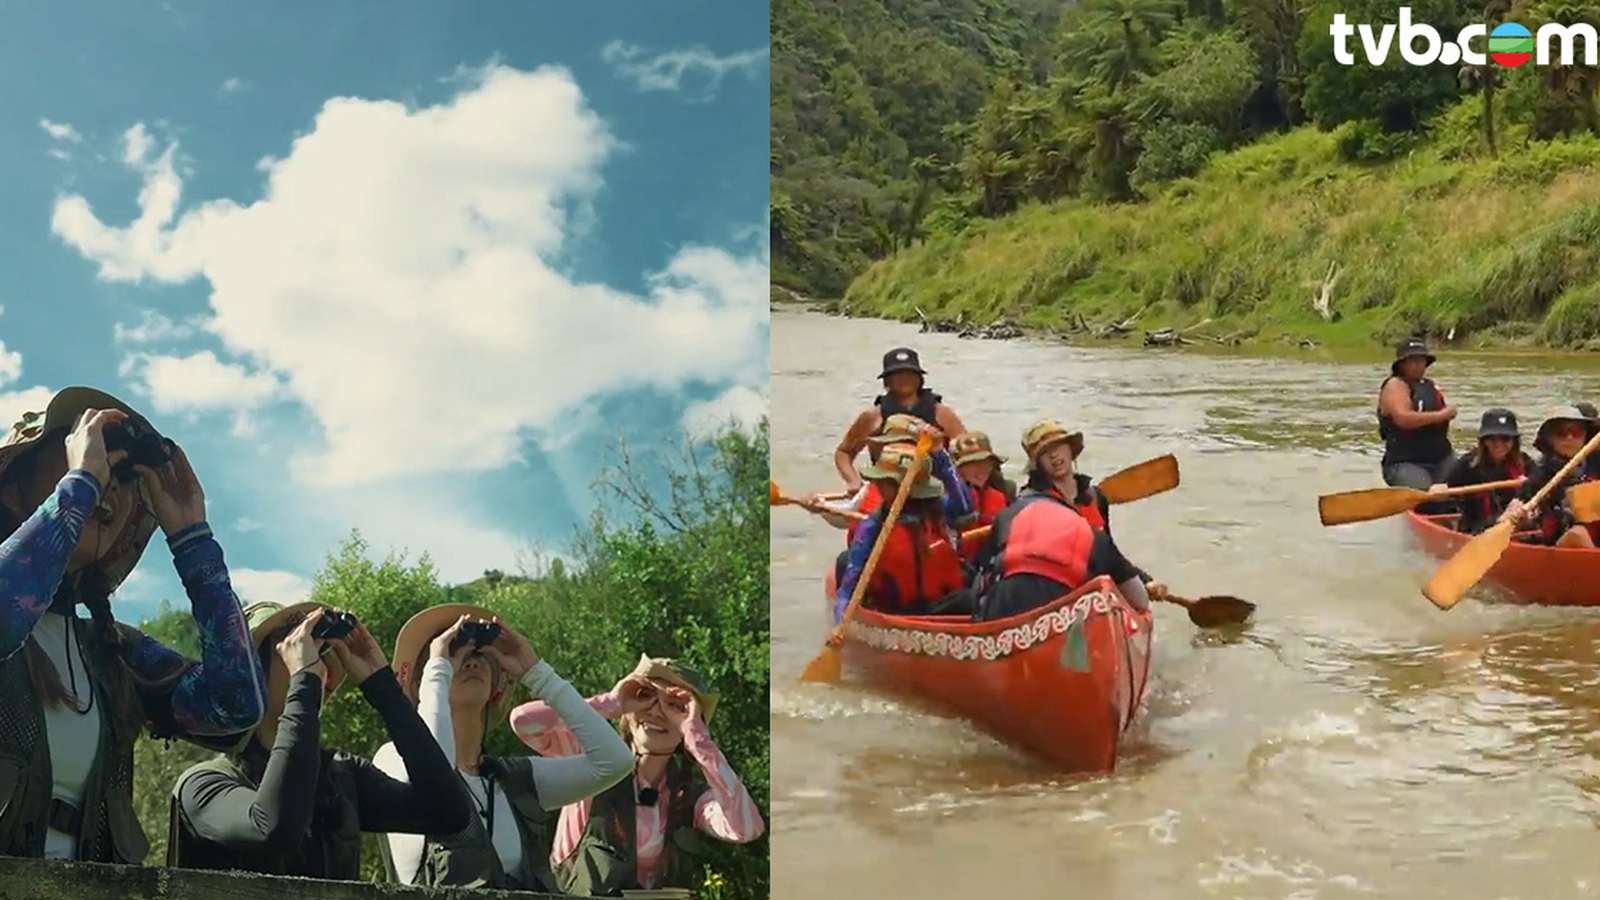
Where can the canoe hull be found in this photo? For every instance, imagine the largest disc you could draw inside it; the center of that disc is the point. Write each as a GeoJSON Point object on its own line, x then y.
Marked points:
{"type": "Point", "coordinates": [1062, 683]}
{"type": "Point", "coordinates": [1527, 573]}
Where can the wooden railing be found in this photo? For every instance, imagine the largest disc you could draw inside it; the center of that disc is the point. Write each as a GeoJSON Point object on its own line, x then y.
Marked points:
{"type": "Point", "coordinates": [34, 879]}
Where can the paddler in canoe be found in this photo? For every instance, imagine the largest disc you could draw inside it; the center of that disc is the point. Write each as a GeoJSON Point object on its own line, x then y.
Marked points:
{"type": "Point", "coordinates": [900, 428]}
{"type": "Point", "coordinates": [920, 565]}
{"type": "Point", "coordinates": [1498, 457]}
{"type": "Point", "coordinates": [980, 467]}
{"type": "Point", "coordinates": [1561, 435]}
{"type": "Point", "coordinates": [1414, 422]}
{"type": "Point", "coordinates": [904, 392]}
{"type": "Point", "coordinates": [1052, 541]}
{"type": "Point", "coordinates": [1053, 451]}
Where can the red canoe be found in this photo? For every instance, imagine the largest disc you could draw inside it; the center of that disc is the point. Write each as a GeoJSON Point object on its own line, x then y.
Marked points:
{"type": "Point", "coordinates": [1063, 682]}
{"type": "Point", "coordinates": [1529, 573]}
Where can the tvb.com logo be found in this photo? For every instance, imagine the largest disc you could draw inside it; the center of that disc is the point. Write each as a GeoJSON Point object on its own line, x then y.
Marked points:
{"type": "Point", "coordinates": [1510, 44]}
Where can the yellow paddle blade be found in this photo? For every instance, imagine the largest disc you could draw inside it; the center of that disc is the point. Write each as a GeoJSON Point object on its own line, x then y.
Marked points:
{"type": "Point", "coordinates": [774, 493]}
{"type": "Point", "coordinates": [825, 666]}
{"type": "Point", "coordinates": [1369, 504]}
{"type": "Point", "coordinates": [1585, 501]}
{"type": "Point", "coordinates": [1468, 566]}
{"type": "Point", "coordinates": [1151, 477]}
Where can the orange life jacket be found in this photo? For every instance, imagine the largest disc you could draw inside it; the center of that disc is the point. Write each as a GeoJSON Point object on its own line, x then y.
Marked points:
{"type": "Point", "coordinates": [1086, 504]}
{"type": "Point", "coordinates": [918, 568]}
{"type": "Point", "coordinates": [1043, 535]}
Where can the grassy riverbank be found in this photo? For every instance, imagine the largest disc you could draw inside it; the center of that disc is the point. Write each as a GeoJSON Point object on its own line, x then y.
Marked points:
{"type": "Point", "coordinates": [1504, 251]}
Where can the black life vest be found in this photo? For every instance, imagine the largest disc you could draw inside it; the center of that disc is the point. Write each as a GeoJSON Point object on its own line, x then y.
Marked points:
{"type": "Point", "coordinates": [925, 408]}
{"type": "Point", "coordinates": [1427, 444]}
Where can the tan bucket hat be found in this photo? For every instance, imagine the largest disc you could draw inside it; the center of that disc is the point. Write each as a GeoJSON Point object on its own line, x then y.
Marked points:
{"type": "Point", "coordinates": [895, 461]}
{"type": "Point", "coordinates": [974, 446]}
{"type": "Point", "coordinates": [676, 672]}
{"type": "Point", "coordinates": [267, 616]}
{"type": "Point", "coordinates": [1046, 433]}
{"type": "Point", "coordinates": [62, 412]}
{"type": "Point", "coordinates": [900, 428]}
{"type": "Point", "coordinates": [422, 628]}
{"type": "Point", "coordinates": [1541, 441]}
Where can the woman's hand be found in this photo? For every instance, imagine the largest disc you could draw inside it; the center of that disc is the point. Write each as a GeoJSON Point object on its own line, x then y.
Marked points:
{"type": "Point", "coordinates": [1157, 590]}
{"type": "Point", "coordinates": [359, 653]}
{"type": "Point", "coordinates": [1515, 513]}
{"type": "Point", "coordinates": [635, 692]}
{"type": "Point", "coordinates": [86, 444]}
{"type": "Point", "coordinates": [439, 647]}
{"type": "Point", "coordinates": [1438, 488]}
{"type": "Point", "coordinates": [175, 493]}
{"type": "Point", "coordinates": [299, 650]}
{"type": "Point", "coordinates": [681, 707]}
{"type": "Point", "coordinates": [513, 652]}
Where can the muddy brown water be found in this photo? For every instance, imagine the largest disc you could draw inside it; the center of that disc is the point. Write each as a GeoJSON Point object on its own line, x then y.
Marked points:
{"type": "Point", "coordinates": [1354, 742]}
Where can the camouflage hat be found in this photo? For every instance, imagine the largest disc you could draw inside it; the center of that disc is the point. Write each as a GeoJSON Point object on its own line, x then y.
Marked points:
{"type": "Point", "coordinates": [893, 464]}
{"type": "Point", "coordinates": [61, 413]}
{"type": "Point", "coordinates": [679, 674]}
{"type": "Point", "coordinates": [1541, 441]}
{"type": "Point", "coordinates": [1046, 433]}
{"type": "Point", "coordinates": [897, 429]}
{"type": "Point", "coordinates": [974, 446]}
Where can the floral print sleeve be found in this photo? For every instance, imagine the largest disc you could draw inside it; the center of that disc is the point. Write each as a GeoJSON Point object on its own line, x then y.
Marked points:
{"type": "Point", "coordinates": [726, 810]}
{"type": "Point", "coordinates": [960, 504]}
{"type": "Point", "coordinates": [224, 692]}
{"type": "Point", "coordinates": [34, 558]}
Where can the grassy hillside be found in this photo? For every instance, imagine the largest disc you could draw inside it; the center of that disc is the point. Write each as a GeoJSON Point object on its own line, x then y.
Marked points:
{"type": "Point", "coordinates": [1498, 249]}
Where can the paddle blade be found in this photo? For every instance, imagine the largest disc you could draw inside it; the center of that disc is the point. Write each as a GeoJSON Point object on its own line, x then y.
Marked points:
{"type": "Point", "coordinates": [1367, 505]}
{"type": "Point", "coordinates": [1468, 566]}
{"type": "Point", "coordinates": [1585, 501]}
{"type": "Point", "coordinates": [1146, 479]}
{"type": "Point", "coordinates": [825, 666]}
{"type": "Point", "coordinates": [1220, 610]}
{"type": "Point", "coordinates": [774, 494]}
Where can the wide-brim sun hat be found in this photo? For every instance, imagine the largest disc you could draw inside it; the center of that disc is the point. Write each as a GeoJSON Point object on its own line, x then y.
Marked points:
{"type": "Point", "coordinates": [1541, 441]}
{"type": "Point", "coordinates": [1410, 348]}
{"type": "Point", "coordinates": [895, 461]}
{"type": "Point", "coordinates": [266, 616]}
{"type": "Point", "coordinates": [62, 413]}
{"type": "Point", "coordinates": [974, 446]}
{"type": "Point", "coordinates": [1047, 433]}
{"type": "Point", "coordinates": [420, 630]}
{"type": "Point", "coordinates": [900, 428]}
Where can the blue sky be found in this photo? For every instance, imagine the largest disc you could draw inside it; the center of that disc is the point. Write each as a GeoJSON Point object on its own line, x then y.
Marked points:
{"type": "Point", "coordinates": [411, 268]}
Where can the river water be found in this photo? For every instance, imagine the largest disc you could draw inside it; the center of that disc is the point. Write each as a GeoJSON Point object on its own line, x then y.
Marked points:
{"type": "Point", "coordinates": [1354, 742]}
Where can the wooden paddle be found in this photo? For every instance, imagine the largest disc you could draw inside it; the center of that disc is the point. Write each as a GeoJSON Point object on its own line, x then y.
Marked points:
{"type": "Point", "coordinates": [1478, 556]}
{"type": "Point", "coordinates": [1585, 501]}
{"type": "Point", "coordinates": [776, 497]}
{"type": "Point", "coordinates": [1147, 479]}
{"type": "Point", "coordinates": [1214, 611]}
{"type": "Point", "coordinates": [1381, 503]}
{"type": "Point", "coordinates": [827, 666]}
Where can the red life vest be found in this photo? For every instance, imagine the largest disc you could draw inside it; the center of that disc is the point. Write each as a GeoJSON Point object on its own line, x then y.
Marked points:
{"type": "Point", "coordinates": [990, 502]}
{"type": "Point", "coordinates": [1043, 535]}
{"type": "Point", "coordinates": [870, 504]}
{"type": "Point", "coordinates": [918, 568]}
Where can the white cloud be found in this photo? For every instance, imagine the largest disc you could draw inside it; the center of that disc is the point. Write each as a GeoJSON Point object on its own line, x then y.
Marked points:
{"type": "Point", "coordinates": [13, 404]}
{"type": "Point", "coordinates": [198, 382]}
{"type": "Point", "coordinates": [246, 524]}
{"type": "Point", "coordinates": [232, 86]}
{"type": "Point", "coordinates": [666, 71]}
{"type": "Point", "coordinates": [742, 405]}
{"type": "Point", "coordinates": [256, 585]}
{"type": "Point", "coordinates": [400, 277]}
{"type": "Point", "coordinates": [61, 131]}
{"type": "Point", "coordinates": [153, 327]}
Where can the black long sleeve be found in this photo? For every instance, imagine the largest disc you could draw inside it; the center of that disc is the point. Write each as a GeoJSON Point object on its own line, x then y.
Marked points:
{"type": "Point", "coordinates": [434, 802]}
{"type": "Point", "coordinates": [274, 816]}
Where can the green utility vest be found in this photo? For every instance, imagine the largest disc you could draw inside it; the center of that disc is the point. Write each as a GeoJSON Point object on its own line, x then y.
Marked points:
{"type": "Point", "coordinates": [605, 862]}
{"type": "Point", "coordinates": [108, 830]}
{"type": "Point", "coordinates": [330, 850]}
{"type": "Point", "coordinates": [468, 858]}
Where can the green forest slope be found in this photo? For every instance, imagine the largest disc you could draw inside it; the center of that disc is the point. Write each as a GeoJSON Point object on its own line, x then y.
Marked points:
{"type": "Point", "coordinates": [1207, 159]}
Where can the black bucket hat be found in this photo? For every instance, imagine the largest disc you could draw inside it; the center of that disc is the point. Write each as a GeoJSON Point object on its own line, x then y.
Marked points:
{"type": "Point", "coordinates": [901, 359]}
{"type": "Point", "coordinates": [1498, 423]}
{"type": "Point", "coordinates": [1411, 346]}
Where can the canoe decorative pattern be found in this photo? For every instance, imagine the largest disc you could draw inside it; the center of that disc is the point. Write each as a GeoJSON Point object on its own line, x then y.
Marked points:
{"type": "Point", "coordinates": [983, 646]}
